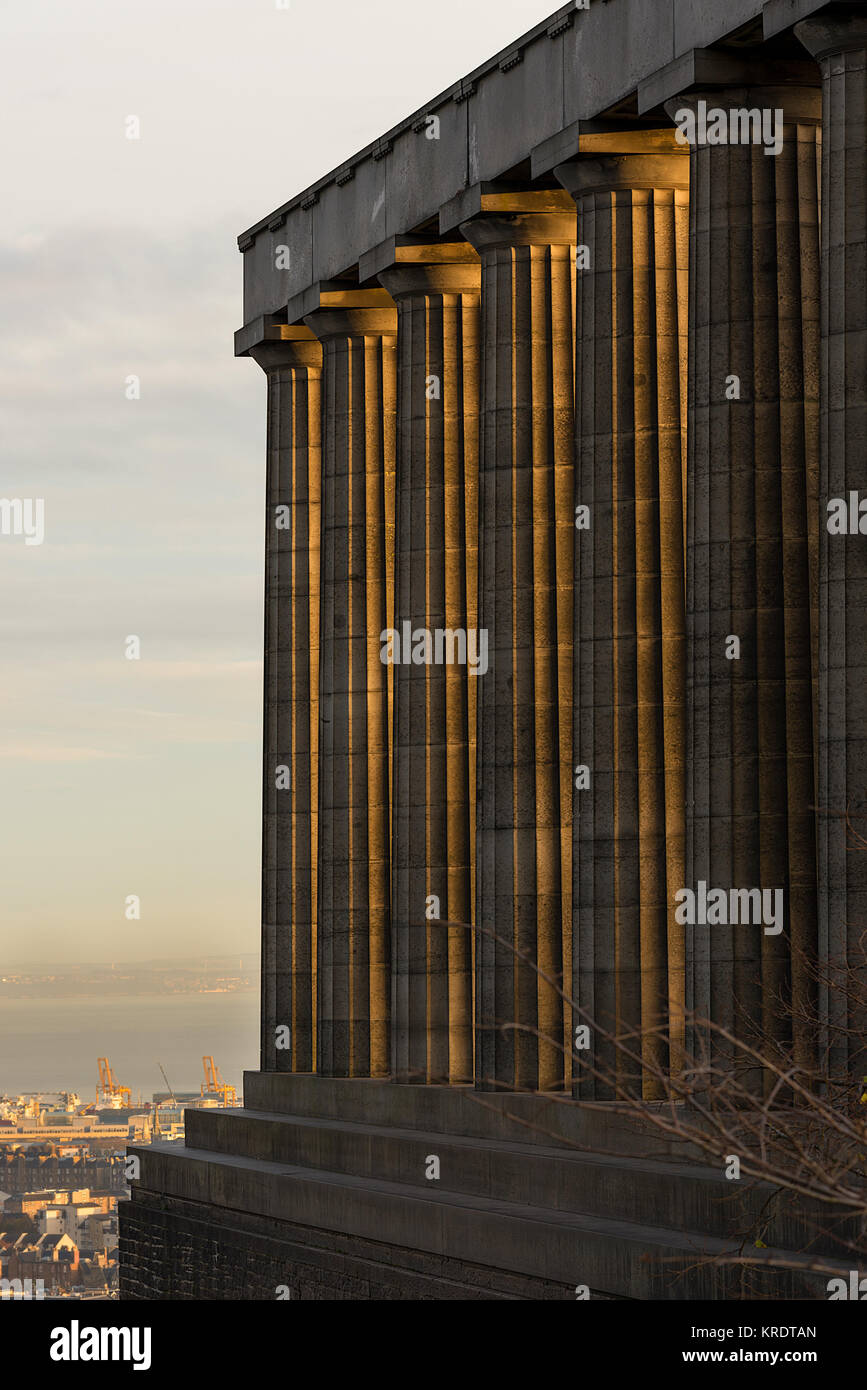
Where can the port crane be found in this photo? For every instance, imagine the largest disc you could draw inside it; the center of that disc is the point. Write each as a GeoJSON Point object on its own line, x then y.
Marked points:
{"type": "Point", "coordinates": [109, 1088]}
{"type": "Point", "coordinates": [157, 1128]}
{"type": "Point", "coordinates": [214, 1085]}
{"type": "Point", "coordinates": [168, 1083]}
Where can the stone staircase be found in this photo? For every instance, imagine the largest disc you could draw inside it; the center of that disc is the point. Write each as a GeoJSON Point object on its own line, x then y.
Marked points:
{"type": "Point", "coordinates": [534, 1199]}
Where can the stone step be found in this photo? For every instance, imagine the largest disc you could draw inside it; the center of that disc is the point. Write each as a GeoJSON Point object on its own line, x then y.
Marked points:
{"type": "Point", "coordinates": [458, 1110]}
{"type": "Point", "coordinates": [572, 1249]}
{"type": "Point", "coordinates": [683, 1195]}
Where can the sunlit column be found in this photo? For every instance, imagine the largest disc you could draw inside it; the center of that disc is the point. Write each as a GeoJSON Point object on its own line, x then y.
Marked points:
{"type": "Point", "coordinates": [525, 606]}
{"type": "Point", "coordinates": [291, 726]}
{"type": "Point", "coordinates": [630, 690]}
{"type": "Point", "coordinates": [358, 335]}
{"type": "Point", "coordinates": [436, 289]}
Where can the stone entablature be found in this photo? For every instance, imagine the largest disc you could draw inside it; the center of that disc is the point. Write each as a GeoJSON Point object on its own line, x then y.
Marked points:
{"type": "Point", "coordinates": [611, 64]}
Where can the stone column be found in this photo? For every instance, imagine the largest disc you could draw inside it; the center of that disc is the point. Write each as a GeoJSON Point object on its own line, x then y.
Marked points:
{"type": "Point", "coordinates": [293, 365]}
{"type": "Point", "coordinates": [751, 544]}
{"type": "Point", "coordinates": [838, 41]}
{"type": "Point", "coordinates": [358, 335]}
{"type": "Point", "coordinates": [525, 606]}
{"type": "Point", "coordinates": [630, 639]}
{"type": "Point", "coordinates": [437, 293]}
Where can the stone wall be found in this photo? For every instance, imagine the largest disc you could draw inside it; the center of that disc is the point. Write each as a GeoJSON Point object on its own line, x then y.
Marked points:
{"type": "Point", "coordinates": [178, 1250]}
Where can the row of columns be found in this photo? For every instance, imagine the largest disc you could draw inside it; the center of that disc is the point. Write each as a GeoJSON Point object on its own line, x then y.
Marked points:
{"type": "Point", "coordinates": [440, 909]}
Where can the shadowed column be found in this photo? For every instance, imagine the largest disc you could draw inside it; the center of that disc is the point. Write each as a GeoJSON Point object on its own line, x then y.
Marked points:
{"type": "Point", "coordinates": [838, 40]}
{"type": "Point", "coordinates": [357, 330]}
{"type": "Point", "coordinates": [291, 724]}
{"type": "Point", "coordinates": [525, 605]}
{"type": "Point", "coordinates": [434, 701]}
{"type": "Point", "coordinates": [630, 685]}
{"type": "Point", "coordinates": [751, 548]}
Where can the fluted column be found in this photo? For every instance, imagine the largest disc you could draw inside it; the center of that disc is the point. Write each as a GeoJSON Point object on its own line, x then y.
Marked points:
{"type": "Point", "coordinates": [291, 714]}
{"type": "Point", "coordinates": [838, 40]}
{"type": "Point", "coordinates": [357, 331]}
{"type": "Point", "coordinates": [751, 546]}
{"type": "Point", "coordinates": [435, 701]}
{"type": "Point", "coordinates": [630, 679]}
{"type": "Point", "coordinates": [525, 605]}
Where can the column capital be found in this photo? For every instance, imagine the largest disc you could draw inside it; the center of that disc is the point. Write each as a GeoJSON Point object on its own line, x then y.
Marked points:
{"type": "Point", "coordinates": [353, 313]}
{"type": "Point", "coordinates": [598, 137]}
{"type": "Point", "coordinates": [798, 104]}
{"type": "Point", "coordinates": [295, 347]}
{"type": "Point", "coordinates": [620, 171]}
{"type": "Point", "coordinates": [411, 251]}
{"type": "Point", "coordinates": [717, 70]}
{"type": "Point", "coordinates": [522, 229]}
{"type": "Point", "coordinates": [838, 30]}
{"type": "Point", "coordinates": [274, 345]}
{"type": "Point", "coordinates": [498, 199]}
{"type": "Point", "coordinates": [439, 268]}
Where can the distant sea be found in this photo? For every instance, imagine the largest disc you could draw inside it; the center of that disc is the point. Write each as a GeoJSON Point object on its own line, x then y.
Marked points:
{"type": "Point", "coordinates": [53, 1044]}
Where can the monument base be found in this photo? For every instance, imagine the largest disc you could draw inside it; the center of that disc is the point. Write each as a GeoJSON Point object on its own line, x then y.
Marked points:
{"type": "Point", "coordinates": [355, 1189]}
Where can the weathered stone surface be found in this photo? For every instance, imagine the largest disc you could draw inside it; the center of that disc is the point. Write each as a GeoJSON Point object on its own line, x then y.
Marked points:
{"type": "Point", "coordinates": [576, 65]}
{"type": "Point", "coordinates": [181, 1251]}
{"type": "Point", "coordinates": [339, 1209]}
{"type": "Point", "coordinates": [630, 630]}
{"type": "Point", "coordinates": [526, 525]}
{"type": "Point", "coordinates": [838, 40]}
{"type": "Point", "coordinates": [751, 537]}
{"type": "Point", "coordinates": [293, 364]}
{"type": "Point", "coordinates": [359, 385]}
{"type": "Point", "coordinates": [436, 581]}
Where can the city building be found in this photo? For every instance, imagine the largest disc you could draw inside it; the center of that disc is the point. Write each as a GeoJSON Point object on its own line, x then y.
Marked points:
{"type": "Point", "coordinates": [50, 1264]}
{"type": "Point", "coordinates": [90, 1221]}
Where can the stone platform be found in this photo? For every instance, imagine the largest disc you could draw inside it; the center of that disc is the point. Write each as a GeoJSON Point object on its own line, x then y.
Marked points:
{"type": "Point", "coordinates": [319, 1186]}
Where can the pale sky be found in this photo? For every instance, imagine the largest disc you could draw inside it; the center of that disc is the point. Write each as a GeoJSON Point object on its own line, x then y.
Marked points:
{"type": "Point", "coordinates": [119, 257]}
